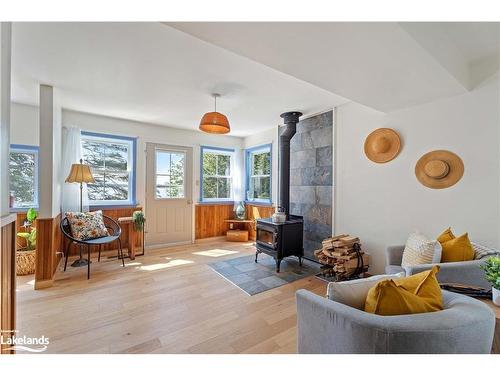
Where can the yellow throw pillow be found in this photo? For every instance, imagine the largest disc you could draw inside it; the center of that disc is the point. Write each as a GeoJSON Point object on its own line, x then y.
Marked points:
{"type": "Point", "coordinates": [415, 294]}
{"type": "Point", "coordinates": [447, 235]}
{"type": "Point", "coordinates": [457, 250]}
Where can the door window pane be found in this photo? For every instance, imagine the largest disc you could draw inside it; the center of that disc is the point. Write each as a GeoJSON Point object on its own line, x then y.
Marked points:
{"type": "Point", "coordinates": [169, 174]}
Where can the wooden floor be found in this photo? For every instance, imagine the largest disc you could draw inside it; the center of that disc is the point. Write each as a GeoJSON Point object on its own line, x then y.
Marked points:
{"type": "Point", "coordinates": [169, 301]}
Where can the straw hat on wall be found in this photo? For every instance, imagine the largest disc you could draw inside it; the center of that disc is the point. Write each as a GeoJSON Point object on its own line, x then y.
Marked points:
{"type": "Point", "coordinates": [382, 145]}
{"type": "Point", "coordinates": [439, 169]}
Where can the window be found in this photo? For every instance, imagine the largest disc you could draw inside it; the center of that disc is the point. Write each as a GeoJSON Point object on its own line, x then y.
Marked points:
{"type": "Point", "coordinates": [216, 174]}
{"type": "Point", "coordinates": [258, 173]}
{"type": "Point", "coordinates": [112, 160]}
{"type": "Point", "coordinates": [23, 170]}
{"type": "Point", "coordinates": [169, 169]}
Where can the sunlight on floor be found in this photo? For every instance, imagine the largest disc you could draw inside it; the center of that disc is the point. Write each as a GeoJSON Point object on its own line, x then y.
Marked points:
{"type": "Point", "coordinates": [214, 253]}
{"type": "Point", "coordinates": [133, 264]}
{"type": "Point", "coordinates": [159, 266]}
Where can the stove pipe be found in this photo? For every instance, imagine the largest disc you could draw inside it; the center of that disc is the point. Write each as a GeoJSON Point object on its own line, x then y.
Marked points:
{"type": "Point", "coordinates": [286, 133]}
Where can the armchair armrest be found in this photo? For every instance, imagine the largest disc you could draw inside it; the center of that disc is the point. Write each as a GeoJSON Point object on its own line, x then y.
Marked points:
{"type": "Point", "coordinates": [394, 255]}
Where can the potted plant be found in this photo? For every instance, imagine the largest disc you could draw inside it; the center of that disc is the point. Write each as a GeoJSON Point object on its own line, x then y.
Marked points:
{"type": "Point", "coordinates": [492, 274]}
{"type": "Point", "coordinates": [139, 220]}
{"type": "Point", "coordinates": [25, 255]}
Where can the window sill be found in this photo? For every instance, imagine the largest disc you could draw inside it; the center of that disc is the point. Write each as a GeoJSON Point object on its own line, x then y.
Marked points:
{"type": "Point", "coordinates": [209, 203]}
{"type": "Point", "coordinates": [259, 203]}
{"type": "Point", "coordinates": [112, 206]}
{"type": "Point", "coordinates": [20, 209]}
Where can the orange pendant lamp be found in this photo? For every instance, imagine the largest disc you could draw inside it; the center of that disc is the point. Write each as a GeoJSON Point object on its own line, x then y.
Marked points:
{"type": "Point", "coordinates": [214, 122]}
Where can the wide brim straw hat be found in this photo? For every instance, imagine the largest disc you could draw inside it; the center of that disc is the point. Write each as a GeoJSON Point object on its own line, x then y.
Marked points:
{"type": "Point", "coordinates": [382, 145]}
{"type": "Point", "coordinates": [439, 169]}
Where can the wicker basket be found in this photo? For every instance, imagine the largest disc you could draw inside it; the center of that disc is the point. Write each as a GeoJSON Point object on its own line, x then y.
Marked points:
{"type": "Point", "coordinates": [25, 262]}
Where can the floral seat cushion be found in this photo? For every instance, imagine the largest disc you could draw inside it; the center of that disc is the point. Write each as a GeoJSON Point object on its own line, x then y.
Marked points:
{"type": "Point", "coordinates": [87, 225]}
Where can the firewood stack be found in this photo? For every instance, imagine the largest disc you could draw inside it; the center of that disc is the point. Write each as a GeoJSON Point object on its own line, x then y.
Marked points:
{"type": "Point", "coordinates": [340, 258]}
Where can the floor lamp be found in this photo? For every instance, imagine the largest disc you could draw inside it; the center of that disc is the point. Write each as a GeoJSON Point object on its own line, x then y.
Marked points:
{"type": "Point", "coordinates": [80, 173]}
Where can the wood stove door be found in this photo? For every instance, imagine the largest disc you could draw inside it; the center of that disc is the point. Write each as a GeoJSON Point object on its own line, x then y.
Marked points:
{"type": "Point", "coordinates": [267, 237]}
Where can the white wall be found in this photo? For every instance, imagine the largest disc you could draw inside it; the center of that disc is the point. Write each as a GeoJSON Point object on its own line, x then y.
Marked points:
{"type": "Point", "coordinates": [25, 123]}
{"type": "Point", "coordinates": [5, 64]}
{"type": "Point", "coordinates": [263, 138]}
{"type": "Point", "coordinates": [382, 203]}
{"type": "Point", "coordinates": [24, 128]}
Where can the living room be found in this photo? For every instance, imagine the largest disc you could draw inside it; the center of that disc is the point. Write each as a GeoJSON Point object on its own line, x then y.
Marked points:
{"type": "Point", "coordinates": [224, 188]}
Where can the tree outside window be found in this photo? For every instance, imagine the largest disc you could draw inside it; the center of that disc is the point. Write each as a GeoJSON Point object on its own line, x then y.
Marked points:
{"type": "Point", "coordinates": [170, 174]}
{"type": "Point", "coordinates": [259, 174]}
{"type": "Point", "coordinates": [216, 174]}
{"type": "Point", "coordinates": [112, 167]}
{"type": "Point", "coordinates": [23, 174]}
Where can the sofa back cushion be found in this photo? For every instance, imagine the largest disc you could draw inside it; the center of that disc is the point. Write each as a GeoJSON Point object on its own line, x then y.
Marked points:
{"type": "Point", "coordinates": [353, 292]}
{"type": "Point", "coordinates": [87, 225]}
{"type": "Point", "coordinates": [415, 294]}
{"type": "Point", "coordinates": [420, 250]}
{"type": "Point", "coordinates": [481, 251]}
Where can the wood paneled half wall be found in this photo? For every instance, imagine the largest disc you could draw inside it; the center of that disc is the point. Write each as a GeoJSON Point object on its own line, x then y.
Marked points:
{"type": "Point", "coordinates": [7, 279]}
{"type": "Point", "coordinates": [210, 218]}
{"type": "Point", "coordinates": [48, 250]}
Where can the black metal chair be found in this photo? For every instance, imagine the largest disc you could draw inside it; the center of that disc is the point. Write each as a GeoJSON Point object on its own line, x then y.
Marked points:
{"type": "Point", "coordinates": [114, 234]}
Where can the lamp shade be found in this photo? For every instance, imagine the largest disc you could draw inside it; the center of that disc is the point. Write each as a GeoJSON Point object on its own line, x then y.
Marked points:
{"type": "Point", "coordinates": [80, 173]}
{"type": "Point", "coordinates": [214, 122]}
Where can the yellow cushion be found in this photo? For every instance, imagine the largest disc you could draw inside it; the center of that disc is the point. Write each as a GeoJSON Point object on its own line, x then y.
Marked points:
{"type": "Point", "coordinates": [415, 294]}
{"type": "Point", "coordinates": [457, 249]}
{"type": "Point", "coordinates": [446, 236]}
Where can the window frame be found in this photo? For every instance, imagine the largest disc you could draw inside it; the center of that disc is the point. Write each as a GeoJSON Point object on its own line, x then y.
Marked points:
{"type": "Point", "coordinates": [248, 157]}
{"type": "Point", "coordinates": [221, 150]}
{"type": "Point", "coordinates": [19, 148]}
{"type": "Point", "coordinates": [157, 149]}
{"type": "Point", "coordinates": [130, 141]}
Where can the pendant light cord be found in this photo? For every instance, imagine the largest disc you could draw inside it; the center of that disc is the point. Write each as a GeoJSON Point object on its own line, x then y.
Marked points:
{"type": "Point", "coordinates": [215, 98]}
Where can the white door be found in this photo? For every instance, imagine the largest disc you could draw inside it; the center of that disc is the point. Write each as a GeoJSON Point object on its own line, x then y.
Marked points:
{"type": "Point", "coordinates": [169, 192]}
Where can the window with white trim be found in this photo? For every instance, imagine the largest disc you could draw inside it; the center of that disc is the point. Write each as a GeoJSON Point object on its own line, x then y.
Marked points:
{"type": "Point", "coordinates": [216, 174]}
{"type": "Point", "coordinates": [258, 173]}
{"type": "Point", "coordinates": [111, 159]}
{"type": "Point", "coordinates": [23, 174]}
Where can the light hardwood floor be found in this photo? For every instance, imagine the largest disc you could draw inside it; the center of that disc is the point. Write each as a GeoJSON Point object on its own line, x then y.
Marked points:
{"type": "Point", "coordinates": [169, 301]}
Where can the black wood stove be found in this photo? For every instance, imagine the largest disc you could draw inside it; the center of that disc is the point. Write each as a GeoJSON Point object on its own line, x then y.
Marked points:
{"type": "Point", "coordinates": [281, 240]}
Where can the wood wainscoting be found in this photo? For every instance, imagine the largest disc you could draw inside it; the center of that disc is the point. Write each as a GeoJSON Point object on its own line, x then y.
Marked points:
{"type": "Point", "coordinates": [7, 279]}
{"type": "Point", "coordinates": [255, 212]}
{"type": "Point", "coordinates": [48, 250]}
{"type": "Point", "coordinates": [210, 218]}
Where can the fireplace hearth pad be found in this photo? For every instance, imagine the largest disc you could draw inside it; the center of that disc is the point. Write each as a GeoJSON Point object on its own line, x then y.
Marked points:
{"type": "Point", "coordinates": [254, 278]}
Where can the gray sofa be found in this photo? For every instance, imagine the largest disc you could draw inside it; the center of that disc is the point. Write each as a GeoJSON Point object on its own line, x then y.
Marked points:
{"type": "Point", "coordinates": [468, 272]}
{"type": "Point", "coordinates": [324, 326]}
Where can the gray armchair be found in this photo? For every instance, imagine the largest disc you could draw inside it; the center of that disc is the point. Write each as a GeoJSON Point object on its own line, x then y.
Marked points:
{"type": "Point", "coordinates": [468, 272]}
{"type": "Point", "coordinates": [327, 327]}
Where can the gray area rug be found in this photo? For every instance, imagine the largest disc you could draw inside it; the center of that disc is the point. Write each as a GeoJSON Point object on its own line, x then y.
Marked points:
{"type": "Point", "coordinates": [254, 278]}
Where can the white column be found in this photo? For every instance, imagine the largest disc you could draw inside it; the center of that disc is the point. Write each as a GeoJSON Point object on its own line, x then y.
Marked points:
{"type": "Point", "coordinates": [50, 153]}
{"type": "Point", "coordinates": [5, 60]}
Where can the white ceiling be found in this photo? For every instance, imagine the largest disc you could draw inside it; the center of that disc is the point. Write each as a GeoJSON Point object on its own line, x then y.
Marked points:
{"type": "Point", "coordinates": [164, 73]}
{"type": "Point", "coordinates": [384, 65]}
{"type": "Point", "coordinates": [152, 73]}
